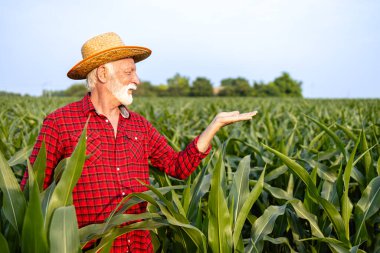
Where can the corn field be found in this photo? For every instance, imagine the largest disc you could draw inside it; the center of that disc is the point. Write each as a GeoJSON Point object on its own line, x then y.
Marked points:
{"type": "Point", "coordinates": [302, 176]}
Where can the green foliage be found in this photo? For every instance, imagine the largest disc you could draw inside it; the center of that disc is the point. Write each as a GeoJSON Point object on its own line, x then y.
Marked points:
{"type": "Point", "coordinates": [178, 86]}
{"type": "Point", "coordinates": [25, 226]}
{"type": "Point", "coordinates": [287, 86]}
{"type": "Point", "coordinates": [283, 182]}
{"type": "Point", "coordinates": [75, 90]}
{"type": "Point", "coordinates": [201, 87]}
{"type": "Point", "coordinates": [235, 87]}
{"type": "Point", "coordinates": [146, 89]}
{"type": "Point", "coordinates": [283, 86]}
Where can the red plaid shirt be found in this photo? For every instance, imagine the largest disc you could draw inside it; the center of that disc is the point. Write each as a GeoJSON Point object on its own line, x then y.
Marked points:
{"type": "Point", "coordinates": [111, 172]}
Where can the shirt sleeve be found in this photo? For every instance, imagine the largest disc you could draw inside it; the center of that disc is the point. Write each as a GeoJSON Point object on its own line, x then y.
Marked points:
{"type": "Point", "coordinates": [176, 164]}
{"type": "Point", "coordinates": [50, 134]}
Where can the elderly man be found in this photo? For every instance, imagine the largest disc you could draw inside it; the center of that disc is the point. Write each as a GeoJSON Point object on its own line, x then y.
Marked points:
{"type": "Point", "coordinates": [121, 141]}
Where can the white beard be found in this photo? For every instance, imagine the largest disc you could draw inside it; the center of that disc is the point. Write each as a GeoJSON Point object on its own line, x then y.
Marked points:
{"type": "Point", "coordinates": [120, 92]}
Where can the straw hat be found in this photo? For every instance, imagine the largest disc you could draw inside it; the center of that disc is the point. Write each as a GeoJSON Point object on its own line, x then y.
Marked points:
{"type": "Point", "coordinates": [102, 49]}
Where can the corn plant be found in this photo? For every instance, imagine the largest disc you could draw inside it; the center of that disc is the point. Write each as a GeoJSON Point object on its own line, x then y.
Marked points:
{"type": "Point", "coordinates": [302, 176]}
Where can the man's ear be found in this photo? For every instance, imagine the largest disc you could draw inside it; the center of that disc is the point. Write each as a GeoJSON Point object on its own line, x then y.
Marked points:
{"type": "Point", "coordinates": [102, 73]}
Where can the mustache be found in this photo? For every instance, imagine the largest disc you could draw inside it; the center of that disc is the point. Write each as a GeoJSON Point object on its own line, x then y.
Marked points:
{"type": "Point", "coordinates": [131, 86]}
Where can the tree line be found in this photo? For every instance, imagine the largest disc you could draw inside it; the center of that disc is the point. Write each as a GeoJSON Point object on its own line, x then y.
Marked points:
{"type": "Point", "coordinates": [178, 85]}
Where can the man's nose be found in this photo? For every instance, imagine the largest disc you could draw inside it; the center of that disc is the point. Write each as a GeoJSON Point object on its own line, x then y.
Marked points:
{"type": "Point", "coordinates": [136, 79]}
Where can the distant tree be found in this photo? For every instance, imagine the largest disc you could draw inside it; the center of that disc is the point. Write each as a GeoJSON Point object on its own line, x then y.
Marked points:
{"type": "Point", "coordinates": [9, 94]}
{"type": "Point", "coordinates": [265, 90]}
{"type": "Point", "coordinates": [178, 86]}
{"type": "Point", "coordinates": [288, 86]}
{"type": "Point", "coordinates": [283, 86]}
{"type": "Point", "coordinates": [76, 90]}
{"type": "Point", "coordinates": [235, 87]}
{"type": "Point", "coordinates": [162, 90]}
{"type": "Point", "coordinates": [53, 93]}
{"type": "Point", "coordinates": [146, 89]}
{"type": "Point", "coordinates": [201, 87]}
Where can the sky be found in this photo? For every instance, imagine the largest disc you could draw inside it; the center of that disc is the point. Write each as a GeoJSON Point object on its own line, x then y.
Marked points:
{"type": "Point", "coordinates": [332, 46]}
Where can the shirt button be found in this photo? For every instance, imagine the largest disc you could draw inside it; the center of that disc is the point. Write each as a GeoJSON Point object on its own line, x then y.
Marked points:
{"type": "Point", "coordinates": [107, 120]}
{"type": "Point", "coordinates": [129, 241]}
{"type": "Point", "coordinates": [117, 168]}
{"type": "Point", "coordinates": [136, 138]}
{"type": "Point", "coordinates": [123, 193]}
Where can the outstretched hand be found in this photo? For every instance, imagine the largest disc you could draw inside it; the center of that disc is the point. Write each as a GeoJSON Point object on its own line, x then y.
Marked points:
{"type": "Point", "coordinates": [226, 118]}
{"type": "Point", "coordinates": [221, 119]}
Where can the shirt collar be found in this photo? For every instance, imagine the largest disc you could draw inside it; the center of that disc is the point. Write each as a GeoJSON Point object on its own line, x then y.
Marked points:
{"type": "Point", "coordinates": [88, 107]}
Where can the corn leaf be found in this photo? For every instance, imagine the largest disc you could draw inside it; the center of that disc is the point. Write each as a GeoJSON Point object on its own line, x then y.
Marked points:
{"type": "Point", "coordinates": [39, 166]}
{"type": "Point", "coordinates": [367, 206]}
{"type": "Point", "coordinates": [329, 208]}
{"type": "Point", "coordinates": [336, 139]}
{"type": "Point", "coordinates": [240, 187]}
{"type": "Point", "coordinates": [33, 237]}
{"type": "Point", "coordinates": [20, 156]}
{"type": "Point", "coordinates": [219, 228]}
{"type": "Point", "coordinates": [14, 203]}
{"type": "Point", "coordinates": [64, 234]}
{"type": "Point", "coordinates": [3, 244]}
{"type": "Point", "coordinates": [246, 208]}
{"type": "Point", "coordinates": [346, 203]}
{"type": "Point", "coordinates": [265, 223]}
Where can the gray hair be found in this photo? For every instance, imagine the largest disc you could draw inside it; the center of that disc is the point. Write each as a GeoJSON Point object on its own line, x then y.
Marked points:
{"type": "Point", "coordinates": [91, 77]}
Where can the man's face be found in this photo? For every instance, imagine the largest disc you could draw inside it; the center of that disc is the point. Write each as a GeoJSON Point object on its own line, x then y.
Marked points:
{"type": "Point", "coordinates": [124, 80]}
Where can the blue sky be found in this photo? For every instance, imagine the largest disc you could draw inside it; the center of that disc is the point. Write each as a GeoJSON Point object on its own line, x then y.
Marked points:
{"type": "Point", "coordinates": [333, 47]}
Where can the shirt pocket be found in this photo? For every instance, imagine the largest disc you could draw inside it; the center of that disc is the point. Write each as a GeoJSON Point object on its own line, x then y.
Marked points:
{"type": "Point", "coordinates": [135, 147]}
{"type": "Point", "coordinates": [93, 148]}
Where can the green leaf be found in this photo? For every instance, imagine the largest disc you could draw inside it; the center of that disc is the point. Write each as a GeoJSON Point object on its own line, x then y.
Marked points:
{"type": "Point", "coordinates": [14, 203]}
{"type": "Point", "coordinates": [20, 156]}
{"type": "Point", "coordinates": [276, 173]}
{"type": "Point", "coordinates": [219, 225]}
{"type": "Point", "coordinates": [265, 223]}
{"type": "Point", "coordinates": [33, 237]}
{"type": "Point", "coordinates": [367, 162]}
{"type": "Point", "coordinates": [39, 166]}
{"type": "Point", "coordinates": [3, 244]}
{"type": "Point", "coordinates": [240, 187]}
{"type": "Point", "coordinates": [279, 240]}
{"type": "Point", "coordinates": [304, 214]}
{"type": "Point", "coordinates": [346, 203]}
{"type": "Point", "coordinates": [348, 132]}
{"type": "Point", "coordinates": [116, 232]}
{"type": "Point", "coordinates": [336, 139]}
{"type": "Point", "coordinates": [175, 198]}
{"type": "Point", "coordinates": [194, 233]}
{"type": "Point", "coordinates": [64, 233]}
{"type": "Point", "coordinates": [246, 208]}
{"type": "Point", "coordinates": [95, 231]}
{"type": "Point", "coordinates": [199, 188]}
{"type": "Point", "coordinates": [329, 208]}
{"type": "Point", "coordinates": [366, 207]}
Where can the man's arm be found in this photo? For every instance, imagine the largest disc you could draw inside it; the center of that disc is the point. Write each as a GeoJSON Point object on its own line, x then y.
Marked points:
{"type": "Point", "coordinates": [221, 120]}
{"type": "Point", "coordinates": [182, 164]}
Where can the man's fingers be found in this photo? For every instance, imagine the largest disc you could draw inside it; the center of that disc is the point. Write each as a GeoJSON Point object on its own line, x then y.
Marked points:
{"type": "Point", "coordinates": [238, 117]}
{"type": "Point", "coordinates": [248, 114]}
{"type": "Point", "coordinates": [227, 114]}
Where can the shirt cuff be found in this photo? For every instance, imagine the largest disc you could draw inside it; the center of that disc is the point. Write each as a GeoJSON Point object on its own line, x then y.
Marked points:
{"type": "Point", "coordinates": [193, 149]}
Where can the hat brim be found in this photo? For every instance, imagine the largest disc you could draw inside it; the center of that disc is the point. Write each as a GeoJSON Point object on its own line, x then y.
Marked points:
{"type": "Point", "coordinates": [82, 68]}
